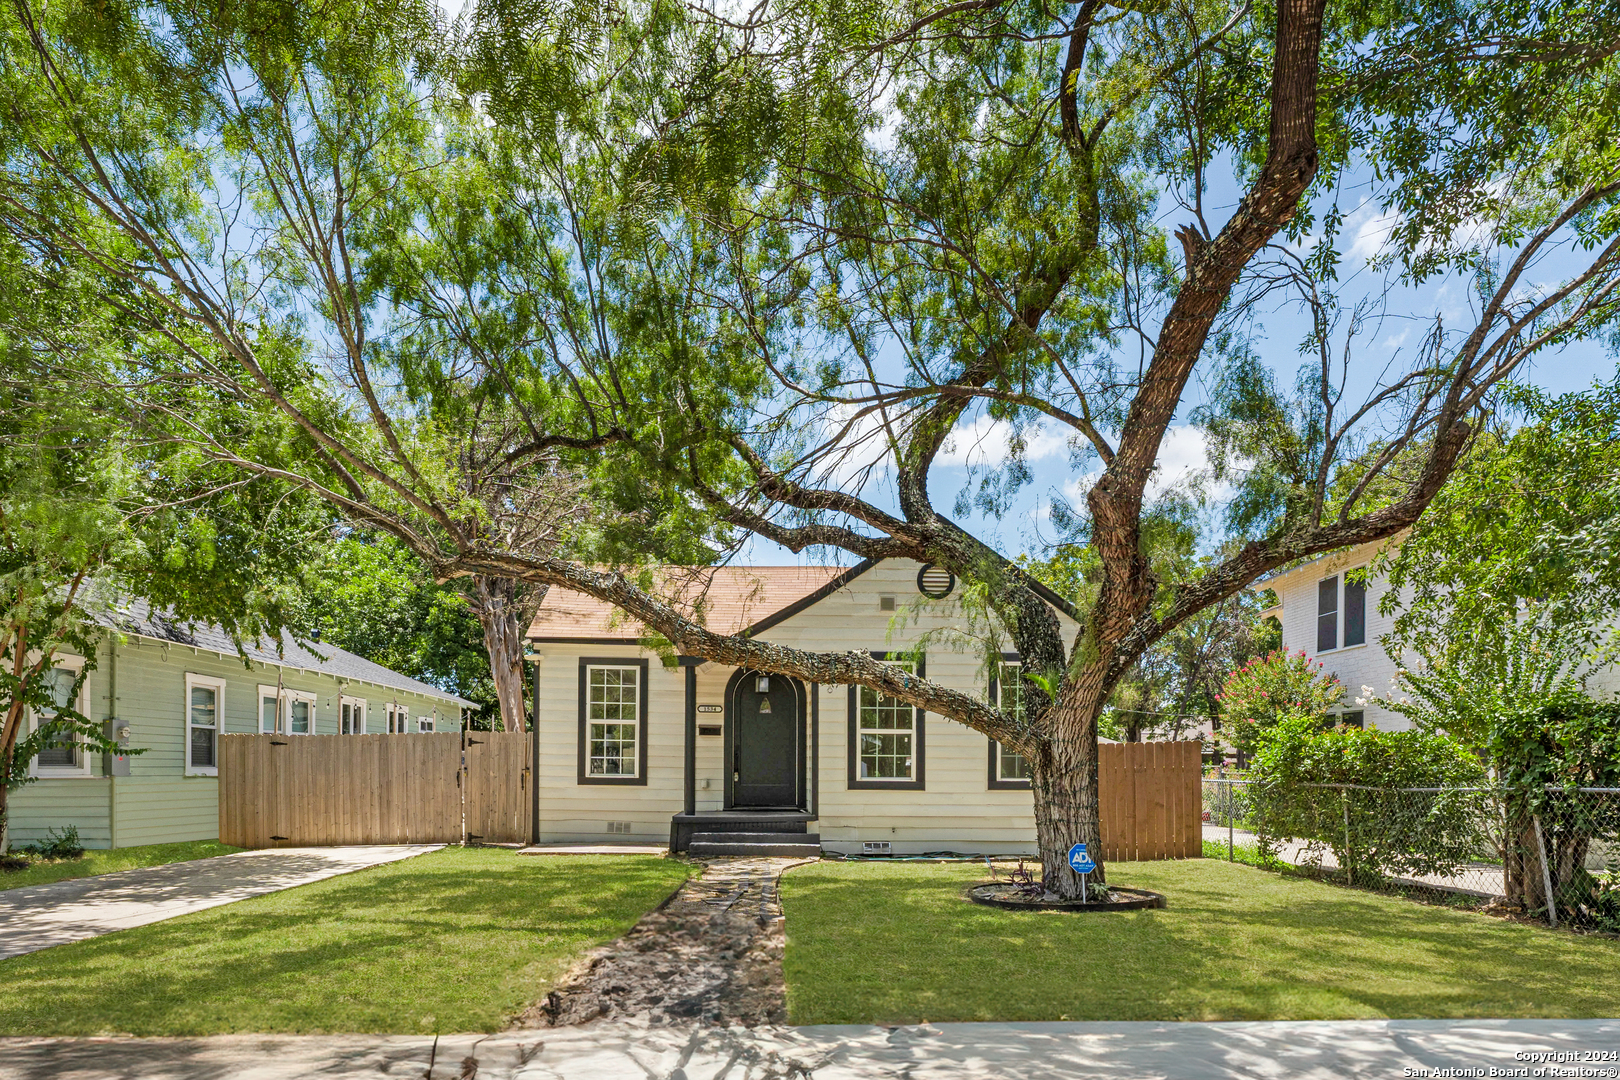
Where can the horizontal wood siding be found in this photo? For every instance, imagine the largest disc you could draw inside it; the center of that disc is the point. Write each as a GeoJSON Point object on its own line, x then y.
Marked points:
{"type": "Point", "coordinates": [35, 809]}
{"type": "Point", "coordinates": [955, 810]}
{"type": "Point", "coordinates": [158, 802]}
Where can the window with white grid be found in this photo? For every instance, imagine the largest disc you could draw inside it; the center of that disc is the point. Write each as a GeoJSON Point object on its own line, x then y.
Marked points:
{"type": "Point", "coordinates": [613, 717]}
{"type": "Point", "coordinates": [66, 755]}
{"type": "Point", "coordinates": [887, 729]}
{"type": "Point", "coordinates": [1010, 765]}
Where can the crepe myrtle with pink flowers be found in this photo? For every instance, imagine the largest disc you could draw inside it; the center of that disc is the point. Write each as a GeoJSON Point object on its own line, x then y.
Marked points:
{"type": "Point", "coordinates": [1269, 688]}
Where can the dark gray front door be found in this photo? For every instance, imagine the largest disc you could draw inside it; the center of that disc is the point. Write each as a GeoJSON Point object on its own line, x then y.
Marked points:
{"type": "Point", "coordinates": [765, 743]}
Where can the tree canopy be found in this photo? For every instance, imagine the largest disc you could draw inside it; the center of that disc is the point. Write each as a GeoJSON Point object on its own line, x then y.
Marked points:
{"type": "Point", "coordinates": [750, 276]}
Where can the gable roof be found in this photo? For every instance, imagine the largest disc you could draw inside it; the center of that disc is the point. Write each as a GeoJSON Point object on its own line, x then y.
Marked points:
{"type": "Point", "coordinates": [735, 600]}
{"type": "Point", "coordinates": [138, 618]}
{"type": "Point", "coordinates": [742, 600]}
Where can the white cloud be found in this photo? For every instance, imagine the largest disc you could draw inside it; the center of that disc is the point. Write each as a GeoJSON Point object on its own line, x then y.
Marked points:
{"type": "Point", "coordinates": [985, 443]}
{"type": "Point", "coordinates": [1183, 461]}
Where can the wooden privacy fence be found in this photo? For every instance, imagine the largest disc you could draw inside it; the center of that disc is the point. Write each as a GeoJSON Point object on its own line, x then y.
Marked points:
{"type": "Point", "coordinates": [1150, 797]}
{"type": "Point", "coordinates": [432, 788]}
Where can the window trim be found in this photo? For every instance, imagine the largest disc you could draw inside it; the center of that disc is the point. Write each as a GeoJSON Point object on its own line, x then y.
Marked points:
{"type": "Point", "coordinates": [995, 781]}
{"type": "Point", "coordinates": [1338, 578]}
{"type": "Point", "coordinates": [582, 738]}
{"type": "Point", "coordinates": [289, 695]}
{"type": "Point", "coordinates": [353, 702]}
{"type": "Point", "coordinates": [83, 768]}
{"type": "Point", "coordinates": [269, 690]}
{"type": "Point", "coordinates": [852, 736]}
{"type": "Point", "coordinates": [193, 679]}
{"type": "Point", "coordinates": [431, 722]}
{"type": "Point", "coordinates": [396, 710]}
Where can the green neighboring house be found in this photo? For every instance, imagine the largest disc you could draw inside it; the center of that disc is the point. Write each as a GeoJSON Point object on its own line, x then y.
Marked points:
{"type": "Point", "coordinates": [172, 690]}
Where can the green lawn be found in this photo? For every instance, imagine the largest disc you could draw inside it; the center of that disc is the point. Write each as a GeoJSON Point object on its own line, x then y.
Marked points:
{"type": "Point", "coordinates": [897, 943]}
{"type": "Point", "coordinates": [455, 940]}
{"type": "Point", "coordinates": [106, 862]}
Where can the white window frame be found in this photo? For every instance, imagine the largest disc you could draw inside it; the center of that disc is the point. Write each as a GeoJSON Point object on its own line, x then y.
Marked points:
{"type": "Point", "coordinates": [426, 725]}
{"type": "Point", "coordinates": [357, 710]}
{"type": "Point", "coordinates": [74, 664]}
{"type": "Point", "coordinates": [278, 695]}
{"type": "Point", "coordinates": [289, 696]}
{"type": "Point", "coordinates": [217, 685]}
{"type": "Point", "coordinates": [398, 716]}
{"type": "Point", "coordinates": [1338, 580]}
{"type": "Point", "coordinates": [637, 710]}
{"type": "Point", "coordinates": [997, 779]}
{"type": "Point", "coordinates": [914, 777]}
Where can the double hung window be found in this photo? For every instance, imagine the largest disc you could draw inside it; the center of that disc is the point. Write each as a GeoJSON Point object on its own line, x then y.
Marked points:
{"type": "Point", "coordinates": [1341, 611]}
{"type": "Point", "coordinates": [613, 706]}
{"type": "Point", "coordinates": [205, 707]}
{"type": "Point", "coordinates": [300, 712]}
{"type": "Point", "coordinates": [351, 716]}
{"type": "Point", "coordinates": [886, 745]}
{"type": "Point", "coordinates": [1008, 768]}
{"type": "Point", "coordinates": [399, 718]}
{"type": "Point", "coordinates": [65, 755]}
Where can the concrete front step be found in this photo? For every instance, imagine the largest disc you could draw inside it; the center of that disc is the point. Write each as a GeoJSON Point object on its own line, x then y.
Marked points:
{"type": "Point", "coordinates": [783, 846]}
{"type": "Point", "coordinates": [802, 839]}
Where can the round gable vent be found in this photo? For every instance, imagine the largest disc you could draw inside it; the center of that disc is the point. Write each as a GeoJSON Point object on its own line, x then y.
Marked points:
{"type": "Point", "coordinates": [935, 581]}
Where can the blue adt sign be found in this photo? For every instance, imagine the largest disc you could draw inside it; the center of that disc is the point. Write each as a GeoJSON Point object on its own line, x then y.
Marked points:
{"type": "Point", "coordinates": [1079, 861]}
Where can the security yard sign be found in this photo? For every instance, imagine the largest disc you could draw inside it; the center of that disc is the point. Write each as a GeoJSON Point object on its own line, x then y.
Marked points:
{"type": "Point", "coordinates": [1080, 861]}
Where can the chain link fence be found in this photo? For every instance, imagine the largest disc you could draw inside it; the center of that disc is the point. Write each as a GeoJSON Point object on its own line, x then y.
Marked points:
{"type": "Point", "coordinates": [1513, 848]}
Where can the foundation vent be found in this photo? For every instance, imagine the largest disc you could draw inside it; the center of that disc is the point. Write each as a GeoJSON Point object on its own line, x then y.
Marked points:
{"type": "Point", "coordinates": [875, 847]}
{"type": "Point", "coordinates": [619, 828]}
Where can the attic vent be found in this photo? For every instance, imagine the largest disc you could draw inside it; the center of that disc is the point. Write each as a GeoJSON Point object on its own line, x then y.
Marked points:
{"type": "Point", "coordinates": [935, 581]}
{"type": "Point", "coordinates": [885, 603]}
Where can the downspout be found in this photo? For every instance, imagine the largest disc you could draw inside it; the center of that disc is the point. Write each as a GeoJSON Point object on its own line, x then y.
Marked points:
{"type": "Point", "coordinates": [534, 757]}
{"type": "Point", "coordinates": [112, 730]}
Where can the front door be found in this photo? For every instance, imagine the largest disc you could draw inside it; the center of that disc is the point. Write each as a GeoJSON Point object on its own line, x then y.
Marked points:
{"type": "Point", "coordinates": [766, 741]}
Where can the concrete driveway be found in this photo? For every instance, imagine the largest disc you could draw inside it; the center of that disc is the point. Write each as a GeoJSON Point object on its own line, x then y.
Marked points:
{"type": "Point", "coordinates": [1094, 1051]}
{"type": "Point", "coordinates": [38, 916]}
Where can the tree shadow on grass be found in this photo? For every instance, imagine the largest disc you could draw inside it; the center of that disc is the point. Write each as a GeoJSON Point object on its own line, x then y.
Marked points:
{"type": "Point", "coordinates": [453, 944]}
{"type": "Point", "coordinates": [1234, 944]}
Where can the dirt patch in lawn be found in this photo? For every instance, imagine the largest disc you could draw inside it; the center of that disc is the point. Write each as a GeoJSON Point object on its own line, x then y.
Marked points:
{"type": "Point", "coordinates": [711, 954]}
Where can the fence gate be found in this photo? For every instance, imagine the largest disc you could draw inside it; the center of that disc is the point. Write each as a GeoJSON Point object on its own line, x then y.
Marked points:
{"type": "Point", "coordinates": [292, 790]}
{"type": "Point", "coordinates": [1150, 798]}
{"type": "Point", "coordinates": [497, 791]}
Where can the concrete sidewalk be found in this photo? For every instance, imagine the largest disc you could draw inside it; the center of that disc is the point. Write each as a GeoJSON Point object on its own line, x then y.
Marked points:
{"type": "Point", "coordinates": [35, 917]}
{"type": "Point", "coordinates": [1115, 1051]}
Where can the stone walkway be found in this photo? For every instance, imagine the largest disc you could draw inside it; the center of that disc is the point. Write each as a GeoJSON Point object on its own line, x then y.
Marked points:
{"type": "Point", "coordinates": [712, 953]}
{"type": "Point", "coordinates": [34, 917]}
{"type": "Point", "coordinates": [625, 1051]}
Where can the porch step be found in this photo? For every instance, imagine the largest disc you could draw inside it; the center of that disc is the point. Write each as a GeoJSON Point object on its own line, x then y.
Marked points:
{"type": "Point", "coordinates": [795, 824]}
{"type": "Point", "coordinates": [806, 845]}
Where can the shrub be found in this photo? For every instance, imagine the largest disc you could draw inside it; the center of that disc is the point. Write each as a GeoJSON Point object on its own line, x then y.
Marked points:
{"type": "Point", "coordinates": [1270, 687]}
{"type": "Point", "coordinates": [58, 845]}
{"type": "Point", "coordinates": [1373, 830]}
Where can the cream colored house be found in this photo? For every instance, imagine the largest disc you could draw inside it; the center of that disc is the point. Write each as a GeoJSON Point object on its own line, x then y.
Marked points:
{"type": "Point", "coordinates": [715, 758]}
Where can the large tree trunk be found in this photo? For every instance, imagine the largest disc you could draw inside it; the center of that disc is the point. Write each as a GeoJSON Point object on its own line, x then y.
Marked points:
{"type": "Point", "coordinates": [504, 616]}
{"type": "Point", "coordinates": [1064, 776]}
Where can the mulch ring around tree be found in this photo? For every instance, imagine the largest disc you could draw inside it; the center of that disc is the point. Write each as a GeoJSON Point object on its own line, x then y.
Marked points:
{"type": "Point", "coordinates": [1015, 897]}
{"type": "Point", "coordinates": [710, 954]}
